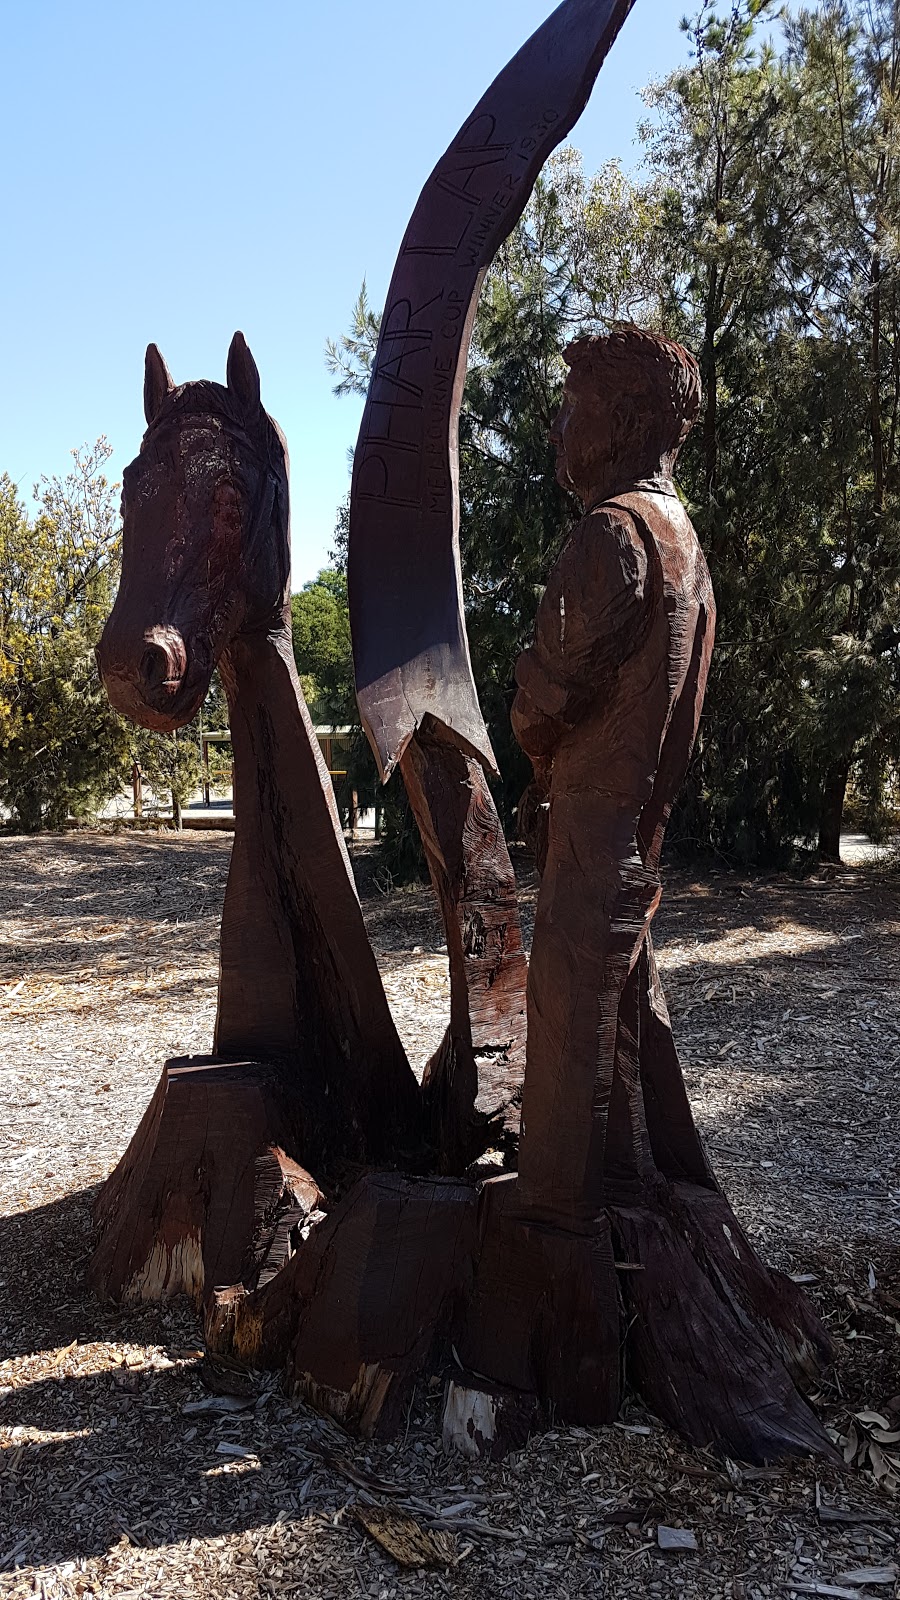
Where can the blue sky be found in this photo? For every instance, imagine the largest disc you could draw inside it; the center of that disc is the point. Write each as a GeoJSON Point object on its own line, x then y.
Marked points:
{"type": "Point", "coordinates": [177, 171]}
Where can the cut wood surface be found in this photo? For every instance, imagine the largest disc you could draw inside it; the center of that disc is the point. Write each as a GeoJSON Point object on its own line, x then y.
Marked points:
{"type": "Point", "coordinates": [784, 995]}
{"type": "Point", "coordinates": [474, 1080]}
{"type": "Point", "coordinates": [205, 1192]}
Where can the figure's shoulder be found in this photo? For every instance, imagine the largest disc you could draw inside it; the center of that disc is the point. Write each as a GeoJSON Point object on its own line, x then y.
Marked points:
{"type": "Point", "coordinates": [661, 514]}
{"type": "Point", "coordinates": [609, 516]}
{"type": "Point", "coordinates": [605, 550]}
{"type": "Point", "coordinates": [603, 529]}
{"type": "Point", "coordinates": [667, 529]}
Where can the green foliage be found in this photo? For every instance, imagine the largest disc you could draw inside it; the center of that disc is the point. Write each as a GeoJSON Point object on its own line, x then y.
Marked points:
{"type": "Point", "coordinates": [781, 213]}
{"type": "Point", "coordinates": [764, 233]}
{"type": "Point", "coordinates": [350, 357]}
{"type": "Point", "coordinates": [170, 762]}
{"type": "Point", "coordinates": [320, 628]}
{"type": "Point", "coordinates": [62, 749]}
{"type": "Point", "coordinates": [579, 259]}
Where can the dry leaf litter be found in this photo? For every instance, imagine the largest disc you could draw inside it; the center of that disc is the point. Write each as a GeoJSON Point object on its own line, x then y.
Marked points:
{"type": "Point", "coordinates": [122, 1475]}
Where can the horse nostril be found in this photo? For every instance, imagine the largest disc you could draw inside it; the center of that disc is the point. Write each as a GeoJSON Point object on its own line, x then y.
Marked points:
{"type": "Point", "coordinates": [156, 666]}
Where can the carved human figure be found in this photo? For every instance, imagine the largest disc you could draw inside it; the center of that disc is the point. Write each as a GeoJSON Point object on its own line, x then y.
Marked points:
{"type": "Point", "coordinates": [608, 702]}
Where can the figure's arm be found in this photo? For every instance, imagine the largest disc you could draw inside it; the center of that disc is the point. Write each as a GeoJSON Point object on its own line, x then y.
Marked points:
{"type": "Point", "coordinates": [588, 623]}
{"type": "Point", "coordinates": [541, 711]}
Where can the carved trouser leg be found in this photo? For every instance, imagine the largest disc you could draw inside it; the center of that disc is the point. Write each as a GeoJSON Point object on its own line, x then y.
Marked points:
{"type": "Point", "coordinates": [583, 1112]}
{"type": "Point", "coordinates": [477, 1071]}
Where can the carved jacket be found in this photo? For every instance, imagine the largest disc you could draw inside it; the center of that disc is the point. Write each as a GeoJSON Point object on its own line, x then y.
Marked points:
{"type": "Point", "coordinates": [611, 689]}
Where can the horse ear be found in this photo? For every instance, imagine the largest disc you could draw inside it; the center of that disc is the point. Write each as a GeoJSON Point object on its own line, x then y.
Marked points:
{"type": "Point", "coordinates": [157, 383]}
{"type": "Point", "coordinates": [243, 375]}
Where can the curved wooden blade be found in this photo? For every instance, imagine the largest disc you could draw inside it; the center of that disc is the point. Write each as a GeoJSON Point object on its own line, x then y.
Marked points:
{"type": "Point", "coordinates": [409, 638]}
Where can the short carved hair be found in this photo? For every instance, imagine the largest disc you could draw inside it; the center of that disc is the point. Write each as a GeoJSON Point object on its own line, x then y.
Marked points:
{"type": "Point", "coordinates": [656, 379]}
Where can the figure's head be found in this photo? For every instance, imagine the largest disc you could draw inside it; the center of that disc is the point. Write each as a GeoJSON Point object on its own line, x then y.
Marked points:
{"type": "Point", "coordinates": [205, 544]}
{"type": "Point", "coordinates": [629, 402]}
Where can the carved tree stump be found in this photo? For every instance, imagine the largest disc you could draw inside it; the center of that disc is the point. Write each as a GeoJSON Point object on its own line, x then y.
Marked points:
{"type": "Point", "coordinates": [205, 1193]}
{"type": "Point", "coordinates": [532, 1323]}
{"type": "Point", "coordinates": [309, 1071]}
{"type": "Point", "coordinates": [610, 1255]}
{"type": "Point", "coordinates": [364, 1305]}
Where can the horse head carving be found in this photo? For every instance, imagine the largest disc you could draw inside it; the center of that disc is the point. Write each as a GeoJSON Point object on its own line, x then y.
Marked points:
{"type": "Point", "coordinates": [206, 529]}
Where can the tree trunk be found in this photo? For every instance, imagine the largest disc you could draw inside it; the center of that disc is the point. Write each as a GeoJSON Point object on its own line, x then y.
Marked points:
{"type": "Point", "coordinates": [832, 811]}
{"type": "Point", "coordinates": [709, 374]}
{"type": "Point", "coordinates": [176, 813]}
{"type": "Point", "coordinates": [875, 388]}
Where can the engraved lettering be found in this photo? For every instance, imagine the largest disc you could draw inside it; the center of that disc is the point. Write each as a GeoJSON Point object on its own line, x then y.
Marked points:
{"type": "Point", "coordinates": [373, 482]}
{"type": "Point", "coordinates": [532, 139]}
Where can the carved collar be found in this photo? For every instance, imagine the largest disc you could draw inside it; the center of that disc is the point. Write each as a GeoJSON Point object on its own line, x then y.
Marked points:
{"type": "Point", "coordinates": [661, 483]}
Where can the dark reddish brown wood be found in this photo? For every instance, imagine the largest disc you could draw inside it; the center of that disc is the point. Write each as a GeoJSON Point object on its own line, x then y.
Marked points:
{"type": "Point", "coordinates": [205, 580]}
{"type": "Point", "coordinates": [543, 1314]}
{"type": "Point", "coordinates": [607, 707]}
{"type": "Point", "coordinates": [612, 1252]}
{"type": "Point", "coordinates": [613, 1243]}
{"type": "Point", "coordinates": [366, 1302]}
{"type": "Point", "coordinates": [298, 979]}
{"type": "Point", "coordinates": [716, 1343]}
{"type": "Point", "coordinates": [473, 1083]}
{"type": "Point", "coordinates": [414, 680]}
{"type": "Point", "coordinates": [409, 637]}
{"type": "Point", "coordinates": [205, 1193]}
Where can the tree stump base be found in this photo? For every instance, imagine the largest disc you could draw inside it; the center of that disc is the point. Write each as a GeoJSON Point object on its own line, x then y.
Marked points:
{"type": "Point", "coordinates": [364, 1305]}
{"type": "Point", "coordinates": [541, 1317]}
{"type": "Point", "coordinates": [717, 1342]}
{"type": "Point", "coordinates": [205, 1194]}
{"type": "Point", "coordinates": [532, 1323]}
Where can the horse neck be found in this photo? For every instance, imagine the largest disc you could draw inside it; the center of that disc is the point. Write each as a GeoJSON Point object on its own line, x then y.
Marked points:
{"type": "Point", "coordinates": [289, 858]}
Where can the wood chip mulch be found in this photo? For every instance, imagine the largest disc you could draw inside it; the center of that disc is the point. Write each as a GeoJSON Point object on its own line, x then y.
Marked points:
{"type": "Point", "coordinates": [123, 1475]}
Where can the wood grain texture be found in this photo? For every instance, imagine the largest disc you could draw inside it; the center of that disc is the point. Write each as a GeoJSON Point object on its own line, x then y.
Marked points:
{"type": "Point", "coordinates": [473, 1083]}
{"type": "Point", "coordinates": [204, 1193]}
{"type": "Point", "coordinates": [366, 1303]}
{"type": "Point", "coordinates": [206, 580]}
{"type": "Point", "coordinates": [613, 1243]}
{"type": "Point", "coordinates": [298, 979]}
{"type": "Point", "coordinates": [409, 637]}
{"type": "Point", "coordinates": [608, 704]}
{"type": "Point", "coordinates": [414, 679]}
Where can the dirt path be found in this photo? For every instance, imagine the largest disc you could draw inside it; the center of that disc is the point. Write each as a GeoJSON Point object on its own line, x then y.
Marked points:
{"type": "Point", "coordinates": [784, 996]}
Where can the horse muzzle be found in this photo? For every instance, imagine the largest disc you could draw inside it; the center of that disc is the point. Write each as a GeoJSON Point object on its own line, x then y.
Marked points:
{"type": "Point", "coordinates": [148, 679]}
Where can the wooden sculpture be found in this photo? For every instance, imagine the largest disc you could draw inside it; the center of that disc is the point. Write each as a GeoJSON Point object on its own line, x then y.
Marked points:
{"type": "Point", "coordinates": [308, 1069]}
{"type": "Point", "coordinates": [612, 1247]}
{"type": "Point", "coordinates": [414, 680]}
{"type": "Point", "coordinates": [614, 1205]}
{"type": "Point", "coordinates": [300, 1165]}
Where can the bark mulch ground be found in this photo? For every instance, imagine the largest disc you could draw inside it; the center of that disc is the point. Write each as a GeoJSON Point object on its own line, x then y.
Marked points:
{"type": "Point", "coordinates": [122, 1474]}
